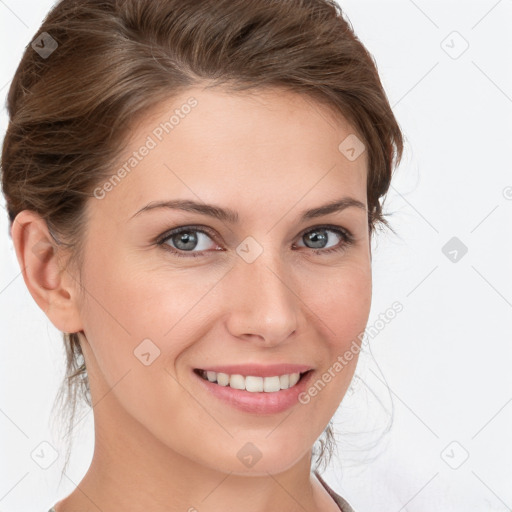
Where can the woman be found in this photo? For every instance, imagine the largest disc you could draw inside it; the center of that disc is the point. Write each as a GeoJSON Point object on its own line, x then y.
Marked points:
{"type": "Point", "coordinates": [192, 188]}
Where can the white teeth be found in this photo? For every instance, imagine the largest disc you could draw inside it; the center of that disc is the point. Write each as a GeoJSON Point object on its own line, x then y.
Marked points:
{"type": "Point", "coordinates": [252, 383]}
{"type": "Point", "coordinates": [237, 381]}
{"type": "Point", "coordinates": [271, 384]}
{"type": "Point", "coordinates": [222, 379]}
{"type": "Point", "coordinates": [294, 378]}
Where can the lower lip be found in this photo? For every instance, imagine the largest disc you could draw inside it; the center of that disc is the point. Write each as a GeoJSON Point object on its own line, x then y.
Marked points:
{"type": "Point", "coordinates": [258, 402]}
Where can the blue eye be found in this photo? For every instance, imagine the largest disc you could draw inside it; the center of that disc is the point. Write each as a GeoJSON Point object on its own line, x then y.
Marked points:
{"type": "Point", "coordinates": [187, 238]}
{"type": "Point", "coordinates": [320, 235]}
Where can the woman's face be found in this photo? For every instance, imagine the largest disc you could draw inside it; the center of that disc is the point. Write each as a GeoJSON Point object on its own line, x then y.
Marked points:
{"type": "Point", "coordinates": [273, 286]}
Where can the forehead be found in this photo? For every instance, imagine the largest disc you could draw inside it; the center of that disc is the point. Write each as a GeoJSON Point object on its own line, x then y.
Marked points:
{"type": "Point", "coordinates": [218, 146]}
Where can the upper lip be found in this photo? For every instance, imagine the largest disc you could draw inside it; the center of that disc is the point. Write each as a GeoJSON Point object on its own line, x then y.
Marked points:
{"type": "Point", "coordinates": [259, 370]}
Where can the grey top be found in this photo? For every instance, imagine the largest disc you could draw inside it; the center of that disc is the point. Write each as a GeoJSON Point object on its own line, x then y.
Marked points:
{"type": "Point", "coordinates": [341, 502]}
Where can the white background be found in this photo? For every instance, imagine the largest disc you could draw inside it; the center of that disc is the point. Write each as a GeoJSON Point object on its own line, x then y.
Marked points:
{"type": "Point", "coordinates": [443, 364]}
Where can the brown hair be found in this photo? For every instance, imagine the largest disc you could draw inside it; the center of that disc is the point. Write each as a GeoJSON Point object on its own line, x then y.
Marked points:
{"type": "Point", "coordinates": [71, 110]}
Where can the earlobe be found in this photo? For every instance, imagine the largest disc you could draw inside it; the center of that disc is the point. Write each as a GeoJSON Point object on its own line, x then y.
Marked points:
{"type": "Point", "coordinates": [38, 257]}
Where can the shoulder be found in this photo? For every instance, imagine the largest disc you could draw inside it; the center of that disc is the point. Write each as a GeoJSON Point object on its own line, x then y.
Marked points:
{"type": "Point", "coordinates": [341, 502]}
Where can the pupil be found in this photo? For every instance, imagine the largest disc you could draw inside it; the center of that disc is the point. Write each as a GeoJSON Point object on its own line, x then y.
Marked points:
{"type": "Point", "coordinates": [184, 238]}
{"type": "Point", "coordinates": [318, 238]}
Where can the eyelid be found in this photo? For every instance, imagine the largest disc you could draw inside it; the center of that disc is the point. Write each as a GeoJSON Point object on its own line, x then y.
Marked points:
{"type": "Point", "coordinates": [332, 227]}
{"type": "Point", "coordinates": [192, 227]}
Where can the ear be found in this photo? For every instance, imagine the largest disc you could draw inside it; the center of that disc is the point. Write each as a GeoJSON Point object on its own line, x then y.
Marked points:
{"type": "Point", "coordinates": [53, 288]}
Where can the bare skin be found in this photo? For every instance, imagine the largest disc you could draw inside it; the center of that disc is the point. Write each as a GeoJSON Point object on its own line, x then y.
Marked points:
{"type": "Point", "coordinates": [162, 443]}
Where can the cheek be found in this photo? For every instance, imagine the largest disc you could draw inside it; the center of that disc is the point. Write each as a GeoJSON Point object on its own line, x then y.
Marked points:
{"type": "Point", "coordinates": [341, 299]}
{"type": "Point", "coordinates": [340, 306]}
{"type": "Point", "coordinates": [349, 309]}
{"type": "Point", "coordinates": [128, 304]}
{"type": "Point", "coordinates": [137, 325]}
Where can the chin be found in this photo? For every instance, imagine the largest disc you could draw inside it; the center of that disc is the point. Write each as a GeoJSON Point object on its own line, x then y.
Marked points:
{"type": "Point", "coordinates": [254, 458]}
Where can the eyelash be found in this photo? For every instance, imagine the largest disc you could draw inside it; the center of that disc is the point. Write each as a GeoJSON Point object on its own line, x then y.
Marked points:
{"type": "Point", "coordinates": [348, 240]}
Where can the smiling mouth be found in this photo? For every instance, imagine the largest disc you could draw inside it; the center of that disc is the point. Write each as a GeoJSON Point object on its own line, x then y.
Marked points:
{"type": "Point", "coordinates": [251, 383]}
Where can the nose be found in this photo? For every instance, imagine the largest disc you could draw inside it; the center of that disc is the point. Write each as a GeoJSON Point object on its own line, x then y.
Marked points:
{"type": "Point", "coordinates": [263, 303]}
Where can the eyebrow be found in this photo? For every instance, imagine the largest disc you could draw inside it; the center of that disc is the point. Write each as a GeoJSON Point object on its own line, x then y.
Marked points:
{"type": "Point", "coordinates": [231, 216]}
